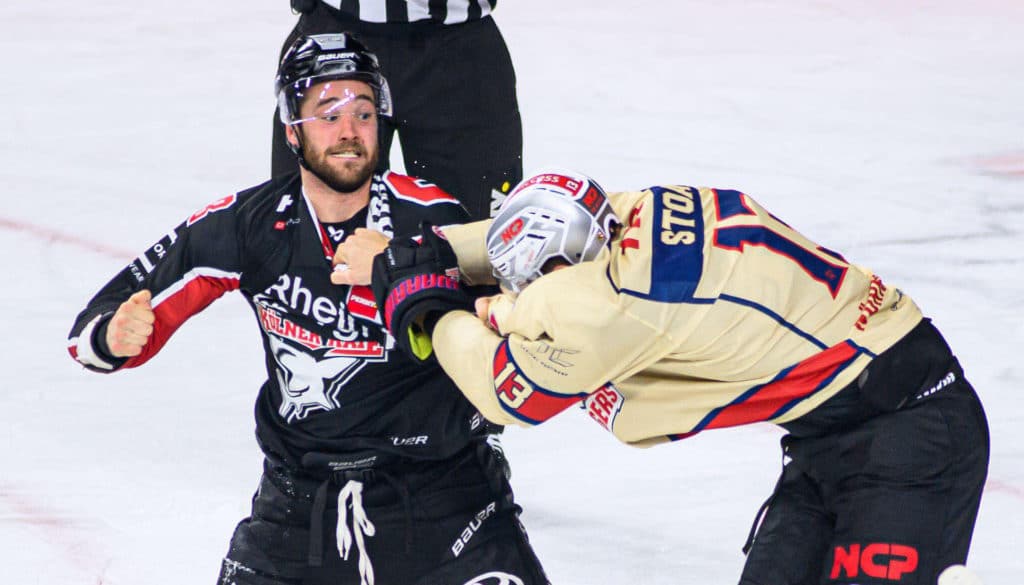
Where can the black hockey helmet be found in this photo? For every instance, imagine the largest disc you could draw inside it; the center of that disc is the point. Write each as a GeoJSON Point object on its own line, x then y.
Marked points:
{"type": "Point", "coordinates": [314, 59]}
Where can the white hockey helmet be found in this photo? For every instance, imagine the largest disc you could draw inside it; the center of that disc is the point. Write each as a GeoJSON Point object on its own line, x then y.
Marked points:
{"type": "Point", "coordinates": [551, 215]}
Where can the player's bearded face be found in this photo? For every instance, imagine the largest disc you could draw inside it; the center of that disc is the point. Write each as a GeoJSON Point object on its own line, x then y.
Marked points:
{"type": "Point", "coordinates": [339, 138]}
{"type": "Point", "coordinates": [344, 167]}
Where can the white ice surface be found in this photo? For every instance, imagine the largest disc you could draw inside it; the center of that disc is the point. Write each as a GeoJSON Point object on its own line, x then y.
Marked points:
{"type": "Point", "coordinates": [891, 131]}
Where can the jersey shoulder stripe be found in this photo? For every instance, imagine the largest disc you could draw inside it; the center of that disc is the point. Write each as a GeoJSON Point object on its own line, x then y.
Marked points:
{"type": "Point", "coordinates": [677, 252]}
{"type": "Point", "coordinates": [416, 190]}
{"type": "Point", "coordinates": [675, 247]}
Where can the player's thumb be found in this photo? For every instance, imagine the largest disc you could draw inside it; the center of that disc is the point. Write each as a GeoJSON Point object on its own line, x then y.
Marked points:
{"type": "Point", "coordinates": [342, 277]}
{"type": "Point", "coordinates": [481, 307]}
{"type": "Point", "coordinates": [143, 297]}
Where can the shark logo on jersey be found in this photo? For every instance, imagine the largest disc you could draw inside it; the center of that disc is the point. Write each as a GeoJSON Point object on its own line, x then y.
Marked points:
{"type": "Point", "coordinates": [307, 383]}
{"type": "Point", "coordinates": [312, 368]}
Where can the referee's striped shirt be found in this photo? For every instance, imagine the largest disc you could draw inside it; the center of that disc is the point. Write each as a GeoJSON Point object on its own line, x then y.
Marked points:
{"type": "Point", "coordinates": [404, 11]}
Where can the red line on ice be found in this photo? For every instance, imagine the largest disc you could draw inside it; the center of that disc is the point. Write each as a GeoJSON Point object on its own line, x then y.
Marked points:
{"type": "Point", "coordinates": [61, 532]}
{"type": "Point", "coordinates": [1011, 164]}
{"type": "Point", "coordinates": [1002, 487]}
{"type": "Point", "coordinates": [58, 237]}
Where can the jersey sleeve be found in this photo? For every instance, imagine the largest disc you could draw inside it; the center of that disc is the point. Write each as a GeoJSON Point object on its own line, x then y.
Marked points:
{"type": "Point", "coordinates": [469, 243]}
{"type": "Point", "coordinates": [442, 210]}
{"type": "Point", "coordinates": [446, 212]}
{"type": "Point", "coordinates": [557, 344]}
{"type": "Point", "coordinates": [185, 270]}
{"type": "Point", "coordinates": [430, 202]}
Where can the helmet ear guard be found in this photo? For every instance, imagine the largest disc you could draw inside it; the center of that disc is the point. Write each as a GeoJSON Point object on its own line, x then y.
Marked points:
{"type": "Point", "coordinates": [550, 216]}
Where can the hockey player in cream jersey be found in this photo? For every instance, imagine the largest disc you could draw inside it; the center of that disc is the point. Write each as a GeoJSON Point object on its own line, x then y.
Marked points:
{"type": "Point", "coordinates": [705, 312]}
{"type": "Point", "coordinates": [674, 310]}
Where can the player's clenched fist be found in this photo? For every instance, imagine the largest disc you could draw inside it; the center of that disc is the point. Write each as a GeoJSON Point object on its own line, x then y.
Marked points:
{"type": "Point", "coordinates": [131, 325]}
{"type": "Point", "coordinates": [494, 311]}
{"type": "Point", "coordinates": [353, 261]}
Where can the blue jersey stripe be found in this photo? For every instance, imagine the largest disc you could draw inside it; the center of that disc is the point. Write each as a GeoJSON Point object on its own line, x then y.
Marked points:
{"type": "Point", "coordinates": [842, 367]}
{"type": "Point", "coordinates": [676, 269]}
{"type": "Point", "coordinates": [516, 414]}
{"type": "Point", "coordinates": [777, 317]}
{"type": "Point", "coordinates": [712, 415]}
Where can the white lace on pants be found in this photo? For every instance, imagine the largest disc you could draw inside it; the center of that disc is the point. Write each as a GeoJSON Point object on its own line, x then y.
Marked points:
{"type": "Point", "coordinates": [361, 527]}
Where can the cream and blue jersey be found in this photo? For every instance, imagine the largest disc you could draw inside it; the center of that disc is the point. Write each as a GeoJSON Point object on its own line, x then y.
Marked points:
{"type": "Point", "coordinates": [706, 311]}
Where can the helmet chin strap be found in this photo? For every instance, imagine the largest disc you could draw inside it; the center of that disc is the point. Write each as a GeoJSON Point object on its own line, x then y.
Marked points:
{"type": "Point", "coordinates": [297, 149]}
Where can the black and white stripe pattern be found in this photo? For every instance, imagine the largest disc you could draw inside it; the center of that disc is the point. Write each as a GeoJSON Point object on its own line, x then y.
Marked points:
{"type": "Point", "coordinates": [379, 215]}
{"type": "Point", "coordinates": [405, 11]}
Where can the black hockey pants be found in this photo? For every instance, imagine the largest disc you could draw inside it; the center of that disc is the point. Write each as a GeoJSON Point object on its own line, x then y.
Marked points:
{"type": "Point", "coordinates": [871, 496]}
{"type": "Point", "coordinates": [424, 523]}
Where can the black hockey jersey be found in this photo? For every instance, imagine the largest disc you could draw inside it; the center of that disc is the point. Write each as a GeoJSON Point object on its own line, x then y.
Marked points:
{"type": "Point", "coordinates": [336, 384]}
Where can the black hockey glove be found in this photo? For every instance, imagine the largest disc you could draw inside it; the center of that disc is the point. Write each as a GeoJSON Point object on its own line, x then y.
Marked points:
{"type": "Point", "coordinates": [416, 284]}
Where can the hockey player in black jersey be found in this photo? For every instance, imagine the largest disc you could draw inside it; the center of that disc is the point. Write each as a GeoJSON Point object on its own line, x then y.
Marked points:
{"type": "Point", "coordinates": [377, 470]}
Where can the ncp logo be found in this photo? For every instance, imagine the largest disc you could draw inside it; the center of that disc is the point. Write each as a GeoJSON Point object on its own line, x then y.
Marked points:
{"type": "Point", "coordinates": [495, 578]}
{"type": "Point", "coordinates": [878, 560]}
